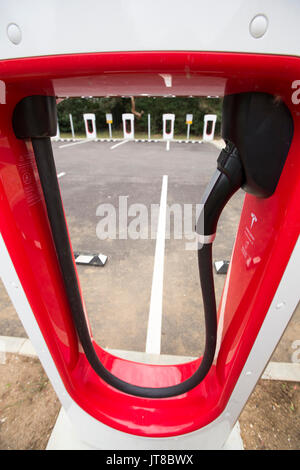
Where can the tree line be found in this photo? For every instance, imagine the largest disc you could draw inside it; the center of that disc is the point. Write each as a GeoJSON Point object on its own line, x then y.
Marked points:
{"type": "Point", "coordinates": [141, 107]}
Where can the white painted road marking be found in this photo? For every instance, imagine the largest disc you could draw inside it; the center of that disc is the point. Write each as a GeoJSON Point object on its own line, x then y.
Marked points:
{"type": "Point", "coordinates": [75, 143]}
{"type": "Point", "coordinates": [156, 301]}
{"type": "Point", "coordinates": [119, 143]}
{"type": "Point", "coordinates": [61, 174]}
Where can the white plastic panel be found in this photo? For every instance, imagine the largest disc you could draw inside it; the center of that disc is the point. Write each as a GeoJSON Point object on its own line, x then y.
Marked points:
{"type": "Point", "coordinates": [36, 28]}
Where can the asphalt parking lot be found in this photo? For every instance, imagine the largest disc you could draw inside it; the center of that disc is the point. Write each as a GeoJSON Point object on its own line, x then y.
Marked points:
{"type": "Point", "coordinates": [97, 177]}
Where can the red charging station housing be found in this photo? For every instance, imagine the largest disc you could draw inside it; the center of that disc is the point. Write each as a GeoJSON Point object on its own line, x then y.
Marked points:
{"type": "Point", "coordinates": [260, 256]}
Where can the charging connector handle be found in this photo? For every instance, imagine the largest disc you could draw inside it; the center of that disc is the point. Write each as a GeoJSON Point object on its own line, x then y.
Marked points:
{"type": "Point", "coordinates": [227, 179]}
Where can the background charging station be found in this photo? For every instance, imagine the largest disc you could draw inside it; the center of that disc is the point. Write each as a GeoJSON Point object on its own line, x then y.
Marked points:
{"type": "Point", "coordinates": [128, 125]}
{"type": "Point", "coordinates": [209, 127]}
{"type": "Point", "coordinates": [90, 125]}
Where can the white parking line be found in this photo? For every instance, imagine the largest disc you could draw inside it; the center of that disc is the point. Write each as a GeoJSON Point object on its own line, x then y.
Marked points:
{"type": "Point", "coordinates": [119, 143]}
{"type": "Point", "coordinates": [153, 340]}
{"type": "Point", "coordinates": [75, 143]}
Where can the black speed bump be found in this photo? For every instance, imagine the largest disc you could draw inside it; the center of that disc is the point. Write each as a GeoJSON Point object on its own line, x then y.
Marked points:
{"type": "Point", "coordinates": [88, 259]}
{"type": "Point", "coordinates": [221, 266]}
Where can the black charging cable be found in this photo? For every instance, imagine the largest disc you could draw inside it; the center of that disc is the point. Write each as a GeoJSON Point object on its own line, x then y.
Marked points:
{"type": "Point", "coordinates": [227, 180]}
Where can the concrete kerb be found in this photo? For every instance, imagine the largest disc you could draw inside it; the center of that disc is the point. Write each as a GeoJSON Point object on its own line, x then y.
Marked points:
{"type": "Point", "coordinates": [283, 371]}
{"type": "Point", "coordinates": [14, 345]}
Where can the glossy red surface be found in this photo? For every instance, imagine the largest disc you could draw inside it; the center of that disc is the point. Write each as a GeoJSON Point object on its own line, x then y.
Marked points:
{"type": "Point", "coordinates": [259, 259]}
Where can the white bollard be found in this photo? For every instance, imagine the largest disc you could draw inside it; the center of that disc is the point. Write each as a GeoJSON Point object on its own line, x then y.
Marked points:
{"type": "Point", "coordinates": [109, 120]}
{"type": "Point", "coordinates": [149, 127]}
{"type": "Point", "coordinates": [209, 126]}
{"type": "Point", "coordinates": [72, 126]}
{"type": "Point", "coordinates": [168, 135]}
{"type": "Point", "coordinates": [128, 118]}
{"type": "Point", "coordinates": [90, 125]}
{"type": "Point", "coordinates": [189, 121]}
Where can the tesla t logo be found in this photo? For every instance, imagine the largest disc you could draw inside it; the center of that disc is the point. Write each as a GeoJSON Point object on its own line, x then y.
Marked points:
{"type": "Point", "coordinates": [253, 219]}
